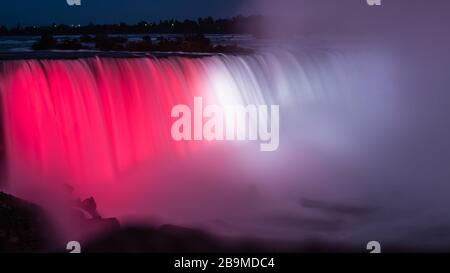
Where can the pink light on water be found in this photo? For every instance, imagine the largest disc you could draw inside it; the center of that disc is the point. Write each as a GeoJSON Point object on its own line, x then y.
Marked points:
{"type": "Point", "coordinates": [95, 118]}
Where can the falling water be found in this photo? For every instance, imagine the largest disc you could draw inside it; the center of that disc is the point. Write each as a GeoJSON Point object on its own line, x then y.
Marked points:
{"type": "Point", "coordinates": [92, 119]}
{"type": "Point", "coordinates": [102, 125]}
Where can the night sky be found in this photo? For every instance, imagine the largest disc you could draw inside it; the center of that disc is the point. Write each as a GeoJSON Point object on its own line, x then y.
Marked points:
{"type": "Point", "coordinates": [309, 17]}
{"type": "Point", "coordinates": [45, 12]}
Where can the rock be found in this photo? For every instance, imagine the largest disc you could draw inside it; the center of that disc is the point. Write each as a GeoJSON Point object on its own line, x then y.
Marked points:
{"type": "Point", "coordinates": [46, 42]}
{"type": "Point", "coordinates": [90, 206]}
{"type": "Point", "coordinates": [165, 239]}
{"type": "Point", "coordinates": [24, 227]}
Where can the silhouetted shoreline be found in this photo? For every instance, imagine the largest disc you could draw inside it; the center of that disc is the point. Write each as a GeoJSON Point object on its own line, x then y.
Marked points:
{"type": "Point", "coordinates": [188, 43]}
{"type": "Point", "coordinates": [207, 25]}
{"type": "Point", "coordinates": [187, 36]}
{"type": "Point", "coordinates": [71, 55]}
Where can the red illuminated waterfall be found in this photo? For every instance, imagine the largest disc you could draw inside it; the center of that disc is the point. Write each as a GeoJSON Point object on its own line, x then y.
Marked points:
{"type": "Point", "coordinates": [93, 118]}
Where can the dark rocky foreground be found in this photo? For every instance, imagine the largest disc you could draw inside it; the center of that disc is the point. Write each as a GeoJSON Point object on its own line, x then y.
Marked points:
{"type": "Point", "coordinates": [25, 227]}
{"type": "Point", "coordinates": [22, 226]}
{"type": "Point", "coordinates": [176, 239]}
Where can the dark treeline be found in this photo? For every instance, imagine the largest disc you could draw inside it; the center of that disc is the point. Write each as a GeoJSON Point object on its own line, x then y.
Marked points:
{"type": "Point", "coordinates": [188, 43]}
{"type": "Point", "coordinates": [208, 25]}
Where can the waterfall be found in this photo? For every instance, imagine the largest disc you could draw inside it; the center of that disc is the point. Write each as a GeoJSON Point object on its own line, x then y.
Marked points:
{"type": "Point", "coordinates": [94, 118]}
{"type": "Point", "coordinates": [103, 126]}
